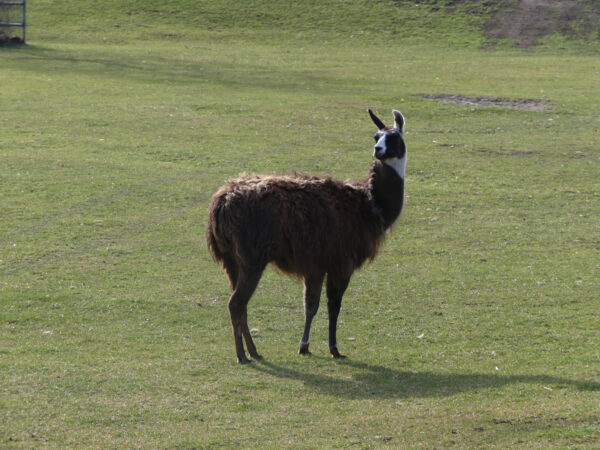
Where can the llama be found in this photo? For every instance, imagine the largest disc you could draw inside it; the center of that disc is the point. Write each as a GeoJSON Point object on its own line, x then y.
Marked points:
{"type": "Point", "coordinates": [306, 226]}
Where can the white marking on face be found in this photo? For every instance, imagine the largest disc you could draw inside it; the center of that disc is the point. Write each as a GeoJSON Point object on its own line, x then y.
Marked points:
{"type": "Point", "coordinates": [398, 164]}
{"type": "Point", "coordinates": [380, 143]}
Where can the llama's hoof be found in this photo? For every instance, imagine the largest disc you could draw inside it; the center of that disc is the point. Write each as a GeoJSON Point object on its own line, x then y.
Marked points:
{"type": "Point", "coordinates": [336, 354]}
{"type": "Point", "coordinates": [303, 350]}
{"type": "Point", "coordinates": [257, 356]}
{"type": "Point", "coordinates": [244, 360]}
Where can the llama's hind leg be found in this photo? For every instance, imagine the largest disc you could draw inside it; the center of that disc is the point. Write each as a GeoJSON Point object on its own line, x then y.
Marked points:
{"type": "Point", "coordinates": [336, 286]}
{"type": "Point", "coordinates": [246, 284]}
{"type": "Point", "coordinates": [248, 337]}
{"type": "Point", "coordinates": [232, 271]}
{"type": "Point", "coordinates": [312, 296]}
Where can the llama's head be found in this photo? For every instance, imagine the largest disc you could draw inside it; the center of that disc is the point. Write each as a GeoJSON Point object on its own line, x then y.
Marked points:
{"type": "Point", "coordinates": [389, 142]}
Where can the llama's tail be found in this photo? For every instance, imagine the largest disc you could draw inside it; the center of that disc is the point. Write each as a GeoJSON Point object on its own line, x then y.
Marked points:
{"type": "Point", "coordinates": [212, 232]}
{"type": "Point", "coordinates": [213, 245]}
{"type": "Point", "coordinates": [218, 233]}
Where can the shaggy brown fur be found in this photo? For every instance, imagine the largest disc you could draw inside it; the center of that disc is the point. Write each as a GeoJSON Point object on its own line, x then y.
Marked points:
{"type": "Point", "coordinates": [302, 224]}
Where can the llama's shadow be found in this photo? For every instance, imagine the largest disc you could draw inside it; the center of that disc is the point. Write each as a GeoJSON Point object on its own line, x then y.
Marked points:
{"type": "Point", "coordinates": [372, 381]}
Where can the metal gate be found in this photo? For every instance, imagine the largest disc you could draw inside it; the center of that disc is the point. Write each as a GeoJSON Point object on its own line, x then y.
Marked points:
{"type": "Point", "coordinates": [7, 11]}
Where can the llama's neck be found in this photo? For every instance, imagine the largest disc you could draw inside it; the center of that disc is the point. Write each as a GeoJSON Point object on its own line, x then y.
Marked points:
{"type": "Point", "coordinates": [386, 184]}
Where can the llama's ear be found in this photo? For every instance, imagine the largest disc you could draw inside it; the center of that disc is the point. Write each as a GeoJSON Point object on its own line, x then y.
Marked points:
{"type": "Point", "coordinates": [378, 123]}
{"type": "Point", "coordinates": [398, 121]}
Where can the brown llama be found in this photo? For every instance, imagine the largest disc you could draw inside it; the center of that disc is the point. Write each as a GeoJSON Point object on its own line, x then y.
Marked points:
{"type": "Point", "coordinates": [307, 226]}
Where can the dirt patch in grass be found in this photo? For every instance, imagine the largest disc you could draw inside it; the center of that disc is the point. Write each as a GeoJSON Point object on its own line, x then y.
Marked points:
{"type": "Point", "coordinates": [523, 103]}
{"type": "Point", "coordinates": [524, 154]}
{"type": "Point", "coordinates": [526, 21]}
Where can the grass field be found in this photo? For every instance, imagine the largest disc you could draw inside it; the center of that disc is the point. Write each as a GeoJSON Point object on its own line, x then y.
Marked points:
{"type": "Point", "coordinates": [477, 325]}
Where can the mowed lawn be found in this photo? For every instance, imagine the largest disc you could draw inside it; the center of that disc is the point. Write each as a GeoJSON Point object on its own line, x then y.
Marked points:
{"type": "Point", "coordinates": [476, 326]}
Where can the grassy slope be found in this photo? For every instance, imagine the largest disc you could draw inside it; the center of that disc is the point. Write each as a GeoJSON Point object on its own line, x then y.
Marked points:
{"type": "Point", "coordinates": [109, 155]}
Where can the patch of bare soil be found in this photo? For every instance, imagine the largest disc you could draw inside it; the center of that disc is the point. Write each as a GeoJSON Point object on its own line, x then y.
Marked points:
{"type": "Point", "coordinates": [526, 21]}
{"type": "Point", "coordinates": [523, 103]}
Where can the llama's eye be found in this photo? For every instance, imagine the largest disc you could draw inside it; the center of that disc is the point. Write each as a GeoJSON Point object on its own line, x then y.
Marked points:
{"type": "Point", "coordinates": [375, 137]}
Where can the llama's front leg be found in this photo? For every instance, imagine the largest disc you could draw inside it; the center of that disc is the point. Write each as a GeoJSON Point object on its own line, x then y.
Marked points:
{"type": "Point", "coordinates": [336, 286]}
{"type": "Point", "coordinates": [312, 297]}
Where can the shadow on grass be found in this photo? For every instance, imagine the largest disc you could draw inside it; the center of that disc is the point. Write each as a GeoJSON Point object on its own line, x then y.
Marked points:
{"type": "Point", "coordinates": [371, 381]}
{"type": "Point", "coordinates": [137, 66]}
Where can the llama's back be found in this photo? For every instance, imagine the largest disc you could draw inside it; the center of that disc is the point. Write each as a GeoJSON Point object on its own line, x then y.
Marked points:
{"type": "Point", "coordinates": [303, 224]}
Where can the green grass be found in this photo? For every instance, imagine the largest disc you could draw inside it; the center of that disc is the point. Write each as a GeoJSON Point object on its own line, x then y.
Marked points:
{"type": "Point", "coordinates": [477, 326]}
